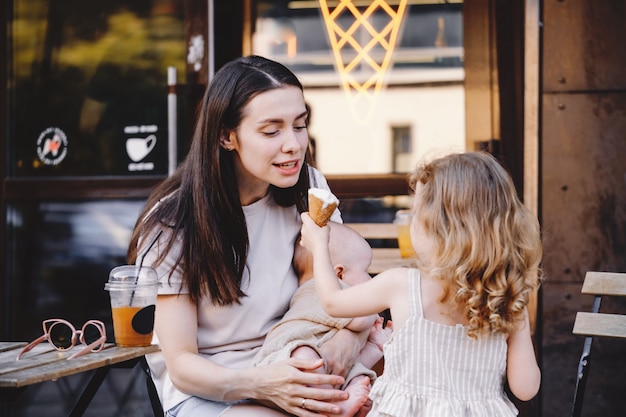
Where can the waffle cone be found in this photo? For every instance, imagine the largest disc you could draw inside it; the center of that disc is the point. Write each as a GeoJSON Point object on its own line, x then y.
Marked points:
{"type": "Point", "coordinates": [321, 209]}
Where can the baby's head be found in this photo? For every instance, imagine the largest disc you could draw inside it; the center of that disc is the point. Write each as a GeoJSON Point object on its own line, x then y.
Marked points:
{"type": "Point", "coordinates": [350, 255]}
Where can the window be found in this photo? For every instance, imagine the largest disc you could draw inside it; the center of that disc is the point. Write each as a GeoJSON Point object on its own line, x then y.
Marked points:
{"type": "Point", "coordinates": [89, 86]}
{"type": "Point", "coordinates": [402, 148]}
{"type": "Point", "coordinates": [423, 85]}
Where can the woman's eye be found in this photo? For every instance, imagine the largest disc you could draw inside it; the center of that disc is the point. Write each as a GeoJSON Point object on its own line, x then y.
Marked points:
{"type": "Point", "coordinates": [299, 127]}
{"type": "Point", "coordinates": [272, 133]}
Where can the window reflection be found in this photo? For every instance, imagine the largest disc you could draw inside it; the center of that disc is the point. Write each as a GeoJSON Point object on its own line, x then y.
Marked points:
{"type": "Point", "coordinates": [89, 76]}
{"type": "Point", "coordinates": [423, 85]}
{"type": "Point", "coordinates": [62, 254]}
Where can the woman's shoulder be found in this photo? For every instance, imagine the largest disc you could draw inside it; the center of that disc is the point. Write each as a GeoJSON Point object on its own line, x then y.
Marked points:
{"type": "Point", "coordinates": [316, 178]}
{"type": "Point", "coordinates": [159, 203]}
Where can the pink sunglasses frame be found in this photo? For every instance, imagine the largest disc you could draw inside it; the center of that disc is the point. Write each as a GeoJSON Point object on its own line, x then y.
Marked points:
{"type": "Point", "coordinates": [77, 335]}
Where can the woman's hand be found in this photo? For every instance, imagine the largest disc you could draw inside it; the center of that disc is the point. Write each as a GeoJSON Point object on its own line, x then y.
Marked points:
{"type": "Point", "coordinates": [285, 384]}
{"type": "Point", "coordinates": [341, 351]}
{"type": "Point", "coordinates": [291, 384]}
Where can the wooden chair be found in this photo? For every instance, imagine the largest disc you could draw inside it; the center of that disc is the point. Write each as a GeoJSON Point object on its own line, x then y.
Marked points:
{"type": "Point", "coordinates": [387, 231]}
{"type": "Point", "coordinates": [594, 324]}
{"type": "Point", "coordinates": [155, 401]}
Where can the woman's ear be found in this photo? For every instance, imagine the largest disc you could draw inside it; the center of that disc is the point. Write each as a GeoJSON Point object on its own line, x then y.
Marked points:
{"type": "Point", "coordinates": [228, 139]}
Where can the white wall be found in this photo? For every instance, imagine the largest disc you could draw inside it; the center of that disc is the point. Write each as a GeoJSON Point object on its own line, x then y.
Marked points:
{"type": "Point", "coordinates": [436, 115]}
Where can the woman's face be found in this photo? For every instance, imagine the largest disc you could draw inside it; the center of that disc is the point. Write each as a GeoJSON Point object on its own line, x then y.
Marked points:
{"type": "Point", "coordinates": [270, 142]}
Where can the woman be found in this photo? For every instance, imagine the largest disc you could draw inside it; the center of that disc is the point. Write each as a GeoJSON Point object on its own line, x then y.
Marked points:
{"type": "Point", "coordinates": [226, 224]}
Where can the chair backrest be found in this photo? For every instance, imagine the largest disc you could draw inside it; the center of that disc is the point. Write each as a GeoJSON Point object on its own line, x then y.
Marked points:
{"type": "Point", "coordinates": [376, 230]}
{"type": "Point", "coordinates": [596, 324]}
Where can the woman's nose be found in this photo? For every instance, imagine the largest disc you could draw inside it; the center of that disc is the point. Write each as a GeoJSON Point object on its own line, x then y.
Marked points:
{"type": "Point", "coordinates": [293, 142]}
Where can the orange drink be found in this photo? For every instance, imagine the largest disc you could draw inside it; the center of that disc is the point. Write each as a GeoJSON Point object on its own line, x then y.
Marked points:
{"type": "Point", "coordinates": [133, 292]}
{"type": "Point", "coordinates": [403, 223]}
{"type": "Point", "coordinates": [404, 241]}
{"type": "Point", "coordinates": [133, 325]}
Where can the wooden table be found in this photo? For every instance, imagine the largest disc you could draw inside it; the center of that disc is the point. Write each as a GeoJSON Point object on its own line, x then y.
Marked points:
{"type": "Point", "coordinates": [44, 363]}
{"type": "Point", "coordinates": [384, 258]}
{"type": "Point", "coordinates": [387, 258]}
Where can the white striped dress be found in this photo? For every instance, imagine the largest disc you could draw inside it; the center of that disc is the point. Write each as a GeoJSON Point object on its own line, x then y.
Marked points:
{"type": "Point", "coordinates": [437, 370]}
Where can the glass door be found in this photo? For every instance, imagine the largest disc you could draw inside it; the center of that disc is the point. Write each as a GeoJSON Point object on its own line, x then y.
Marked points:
{"type": "Point", "coordinates": [89, 86]}
{"type": "Point", "coordinates": [85, 111]}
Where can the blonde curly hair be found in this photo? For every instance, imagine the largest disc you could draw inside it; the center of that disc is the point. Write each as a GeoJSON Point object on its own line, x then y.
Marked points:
{"type": "Point", "coordinates": [488, 243]}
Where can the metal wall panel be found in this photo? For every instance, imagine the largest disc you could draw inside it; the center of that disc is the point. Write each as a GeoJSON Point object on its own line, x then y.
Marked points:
{"type": "Point", "coordinates": [584, 225]}
{"type": "Point", "coordinates": [584, 184]}
{"type": "Point", "coordinates": [583, 192]}
{"type": "Point", "coordinates": [583, 45]}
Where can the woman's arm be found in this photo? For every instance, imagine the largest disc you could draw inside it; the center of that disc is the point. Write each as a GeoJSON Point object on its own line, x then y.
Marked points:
{"type": "Point", "coordinates": [523, 374]}
{"type": "Point", "coordinates": [341, 351]}
{"type": "Point", "coordinates": [284, 383]}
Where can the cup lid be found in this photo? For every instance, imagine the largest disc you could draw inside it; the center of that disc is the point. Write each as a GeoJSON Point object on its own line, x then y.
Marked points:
{"type": "Point", "coordinates": [131, 276]}
{"type": "Point", "coordinates": [113, 286]}
{"type": "Point", "coordinates": [403, 215]}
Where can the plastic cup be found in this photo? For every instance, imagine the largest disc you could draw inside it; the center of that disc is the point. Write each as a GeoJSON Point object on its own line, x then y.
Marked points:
{"type": "Point", "coordinates": [133, 292]}
{"type": "Point", "coordinates": [403, 223]}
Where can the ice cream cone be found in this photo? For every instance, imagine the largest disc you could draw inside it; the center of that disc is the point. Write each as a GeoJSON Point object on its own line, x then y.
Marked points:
{"type": "Point", "coordinates": [322, 205]}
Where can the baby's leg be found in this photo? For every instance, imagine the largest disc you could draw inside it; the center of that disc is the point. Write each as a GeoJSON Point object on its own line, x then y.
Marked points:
{"type": "Point", "coordinates": [358, 387]}
{"type": "Point", "coordinates": [307, 352]}
{"type": "Point", "coordinates": [372, 352]}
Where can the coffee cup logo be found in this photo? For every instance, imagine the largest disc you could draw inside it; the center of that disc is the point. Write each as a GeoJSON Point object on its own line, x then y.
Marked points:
{"type": "Point", "coordinates": [138, 148]}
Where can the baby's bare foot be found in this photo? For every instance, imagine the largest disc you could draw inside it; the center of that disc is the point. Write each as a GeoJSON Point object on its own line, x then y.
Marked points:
{"type": "Point", "coordinates": [364, 409]}
{"type": "Point", "coordinates": [359, 389]}
{"type": "Point", "coordinates": [372, 352]}
{"type": "Point", "coordinates": [379, 334]}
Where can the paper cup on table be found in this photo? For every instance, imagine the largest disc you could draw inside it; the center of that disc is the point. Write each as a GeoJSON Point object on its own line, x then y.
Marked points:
{"type": "Point", "coordinates": [403, 223]}
{"type": "Point", "coordinates": [322, 205]}
{"type": "Point", "coordinates": [133, 292]}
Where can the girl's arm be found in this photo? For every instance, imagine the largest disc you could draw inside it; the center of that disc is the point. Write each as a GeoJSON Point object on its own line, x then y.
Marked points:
{"type": "Point", "coordinates": [284, 383]}
{"type": "Point", "coordinates": [371, 297]}
{"type": "Point", "coordinates": [522, 370]}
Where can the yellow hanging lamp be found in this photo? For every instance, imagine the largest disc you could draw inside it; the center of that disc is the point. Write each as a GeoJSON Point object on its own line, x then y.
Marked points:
{"type": "Point", "coordinates": [362, 52]}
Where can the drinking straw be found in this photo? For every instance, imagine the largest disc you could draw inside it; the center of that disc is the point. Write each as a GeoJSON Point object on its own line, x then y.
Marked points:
{"type": "Point", "coordinates": [141, 258]}
{"type": "Point", "coordinates": [143, 255]}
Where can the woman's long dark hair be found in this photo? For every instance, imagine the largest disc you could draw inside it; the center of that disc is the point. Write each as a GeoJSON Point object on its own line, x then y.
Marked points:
{"type": "Point", "coordinates": [202, 207]}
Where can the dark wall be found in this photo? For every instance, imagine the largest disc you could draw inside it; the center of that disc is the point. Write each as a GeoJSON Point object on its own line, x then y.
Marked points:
{"type": "Point", "coordinates": [229, 22]}
{"type": "Point", "coordinates": [583, 193]}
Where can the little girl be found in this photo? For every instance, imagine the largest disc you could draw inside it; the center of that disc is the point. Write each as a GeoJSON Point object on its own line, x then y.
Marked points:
{"type": "Point", "coordinates": [460, 320]}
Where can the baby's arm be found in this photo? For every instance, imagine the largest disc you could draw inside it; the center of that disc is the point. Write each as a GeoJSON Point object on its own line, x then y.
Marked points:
{"type": "Point", "coordinates": [522, 371]}
{"type": "Point", "coordinates": [361, 324]}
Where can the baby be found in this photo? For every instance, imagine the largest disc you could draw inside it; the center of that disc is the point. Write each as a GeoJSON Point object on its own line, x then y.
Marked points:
{"type": "Point", "coordinates": [305, 326]}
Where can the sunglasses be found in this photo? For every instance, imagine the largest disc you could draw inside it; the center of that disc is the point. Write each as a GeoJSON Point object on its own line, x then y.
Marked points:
{"type": "Point", "coordinates": [63, 336]}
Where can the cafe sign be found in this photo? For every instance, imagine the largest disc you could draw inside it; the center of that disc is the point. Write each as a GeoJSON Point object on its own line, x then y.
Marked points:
{"type": "Point", "coordinates": [52, 146]}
